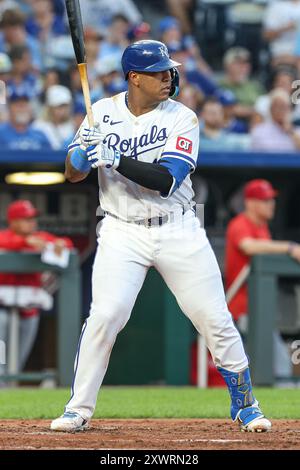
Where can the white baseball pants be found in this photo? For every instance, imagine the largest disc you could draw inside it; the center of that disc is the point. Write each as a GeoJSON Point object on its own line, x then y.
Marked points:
{"type": "Point", "coordinates": [180, 251]}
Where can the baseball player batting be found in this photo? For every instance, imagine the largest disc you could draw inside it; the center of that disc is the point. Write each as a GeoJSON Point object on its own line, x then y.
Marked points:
{"type": "Point", "coordinates": [145, 146]}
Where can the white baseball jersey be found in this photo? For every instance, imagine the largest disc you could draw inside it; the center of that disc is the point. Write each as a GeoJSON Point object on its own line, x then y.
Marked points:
{"type": "Point", "coordinates": [171, 130]}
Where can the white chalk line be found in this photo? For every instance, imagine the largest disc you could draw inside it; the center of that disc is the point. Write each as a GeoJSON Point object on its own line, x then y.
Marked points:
{"type": "Point", "coordinates": [50, 433]}
{"type": "Point", "coordinates": [217, 441]}
{"type": "Point", "coordinates": [210, 440]}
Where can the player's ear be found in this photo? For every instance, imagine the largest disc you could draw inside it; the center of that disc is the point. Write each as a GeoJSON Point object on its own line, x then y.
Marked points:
{"type": "Point", "coordinates": [134, 78]}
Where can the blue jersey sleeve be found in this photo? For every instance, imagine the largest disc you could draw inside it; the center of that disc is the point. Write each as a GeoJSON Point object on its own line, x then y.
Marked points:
{"type": "Point", "coordinates": [179, 169]}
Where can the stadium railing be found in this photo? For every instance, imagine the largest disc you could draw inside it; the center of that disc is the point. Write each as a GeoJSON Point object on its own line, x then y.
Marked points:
{"type": "Point", "coordinates": [206, 159]}
{"type": "Point", "coordinates": [68, 310]}
{"type": "Point", "coordinates": [263, 309]}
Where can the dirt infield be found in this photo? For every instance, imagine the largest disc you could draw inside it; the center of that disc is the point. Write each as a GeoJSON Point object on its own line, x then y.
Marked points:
{"type": "Point", "coordinates": [170, 434]}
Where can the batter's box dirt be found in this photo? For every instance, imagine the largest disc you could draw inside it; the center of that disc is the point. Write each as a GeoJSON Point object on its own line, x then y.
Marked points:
{"type": "Point", "coordinates": [165, 434]}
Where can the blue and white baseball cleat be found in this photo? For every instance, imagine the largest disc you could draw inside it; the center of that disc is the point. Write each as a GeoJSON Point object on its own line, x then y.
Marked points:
{"type": "Point", "coordinates": [251, 419]}
{"type": "Point", "coordinates": [69, 422]}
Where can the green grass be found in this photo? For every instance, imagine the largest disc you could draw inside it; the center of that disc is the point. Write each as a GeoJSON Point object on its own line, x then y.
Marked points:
{"type": "Point", "coordinates": [146, 402]}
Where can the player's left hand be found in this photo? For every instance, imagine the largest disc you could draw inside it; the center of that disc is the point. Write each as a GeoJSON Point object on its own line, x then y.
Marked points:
{"type": "Point", "coordinates": [91, 136]}
{"type": "Point", "coordinates": [59, 246]}
{"type": "Point", "coordinates": [103, 156]}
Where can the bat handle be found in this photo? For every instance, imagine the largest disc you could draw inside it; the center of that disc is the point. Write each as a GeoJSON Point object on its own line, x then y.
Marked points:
{"type": "Point", "coordinates": [86, 93]}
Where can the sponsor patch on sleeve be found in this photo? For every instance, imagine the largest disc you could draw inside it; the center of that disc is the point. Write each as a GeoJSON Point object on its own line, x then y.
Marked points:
{"type": "Point", "coordinates": [184, 144]}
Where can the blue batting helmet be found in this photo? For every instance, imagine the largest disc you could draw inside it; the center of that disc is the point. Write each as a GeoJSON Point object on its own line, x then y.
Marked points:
{"type": "Point", "coordinates": [150, 56]}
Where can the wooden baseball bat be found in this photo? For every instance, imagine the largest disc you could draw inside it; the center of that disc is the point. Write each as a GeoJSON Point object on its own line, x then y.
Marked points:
{"type": "Point", "coordinates": [76, 30]}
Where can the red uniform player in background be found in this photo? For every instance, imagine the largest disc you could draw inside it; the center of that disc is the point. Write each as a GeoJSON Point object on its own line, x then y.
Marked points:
{"type": "Point", "coordinates": [22, 234]}
{"type": "Point", "coordinates": [247, 235]}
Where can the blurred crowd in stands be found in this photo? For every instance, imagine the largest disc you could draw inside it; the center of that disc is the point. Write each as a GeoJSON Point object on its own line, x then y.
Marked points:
{"type": "Point", "coordinates": [245, 103]}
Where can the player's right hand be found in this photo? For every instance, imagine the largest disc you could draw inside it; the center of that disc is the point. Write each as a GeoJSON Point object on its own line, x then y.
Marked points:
{"type": "Point", "coordinates": [295, 251]}
{"type": "Point", "coordinates": [36, 242]}
{"type": "Point", "coordinates": [90, 136]}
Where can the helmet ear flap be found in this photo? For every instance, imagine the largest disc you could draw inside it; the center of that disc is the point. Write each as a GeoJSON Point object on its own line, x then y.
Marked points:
{"type": "Point", "coordinates": [174, 83]}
